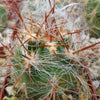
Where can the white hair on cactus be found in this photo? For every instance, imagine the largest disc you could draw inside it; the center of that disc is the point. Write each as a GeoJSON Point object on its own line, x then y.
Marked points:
{"type": "Point", "coordinates": [40, 7]}
{"type": "Point", "coordinates": [52, 47]}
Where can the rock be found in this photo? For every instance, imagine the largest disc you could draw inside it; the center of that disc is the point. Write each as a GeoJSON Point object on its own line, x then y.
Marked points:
{"type": "Point", "coordinates": [94, 40]}
{"type": "Point", "coordinates": [84, 96]}
{"type": "Point", "coordinates": [58, 1]}
{"type": "Point", "coordinates": [0, 86]}
{"type": "Point", "coordinates": [98, 92]}
{"type": "Point", "coordinates": [1, 61]}
{"type": "Point", "coordinates": [70, 97]}
{"type": "Point", "coordinates": [10, 90]}
{"type": "Point", "coordinates": [14, 98]}
{"type": "Point", "coordinates": [64, 97]}
{"type": "Point", "coordinates": [3, 71]}
{"type": "Point", "coordinates": [96, 84]}
{"type": "Point", "coordinates": [95, 71]}
{"type": "Point", "coordinates": [6, 98]}
{"type": "Point", "coordinates": [2, 80]}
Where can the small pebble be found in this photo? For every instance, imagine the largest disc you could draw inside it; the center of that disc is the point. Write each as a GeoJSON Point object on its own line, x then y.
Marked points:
{"type": "Point", "coordinates": [14, 98]}
{"type": "Point", "coordinates": [64, 97]}
{"type": "Point", "coordinates": [2, 61]}
{"type": "Point", "coordinates": [6, 98]}
{"type": "Point", "coordinates": [96, 84]}
{"type": "Point", "coordinates": [9, 90]}
{"type": "Point", "coordinates": [2, 80]}
{"type": "Point", "coordinates": [98, 92]}
{"type": "Point", "coordinates": [94, 40]}
{"type": "Point", "coordinates": [95, 71]}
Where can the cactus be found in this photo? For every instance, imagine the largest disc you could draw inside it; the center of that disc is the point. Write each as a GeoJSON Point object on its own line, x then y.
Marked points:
{"type": "Point", "coordinates": [51, 50]}
{"type": "Point", "coordinates": [3, 18]}
{"type": "Point", "coordinates": [93, 17]}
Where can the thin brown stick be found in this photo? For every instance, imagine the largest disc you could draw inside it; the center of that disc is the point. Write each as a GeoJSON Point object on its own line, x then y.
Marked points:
{"type": "Point", "coordinates": [88, 47]}
{"type": "Point", "coordinates": [3, 85]}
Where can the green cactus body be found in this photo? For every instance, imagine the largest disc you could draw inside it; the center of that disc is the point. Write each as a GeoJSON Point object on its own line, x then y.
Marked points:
{"type": "Point", "coordinates": [93, 17]}
{"type": "Point", "coordinates": [3, 18]}
{"type": "Point", "coordinates": [42, 76]}
{"type": "Point", "coordinates": [51, 49]}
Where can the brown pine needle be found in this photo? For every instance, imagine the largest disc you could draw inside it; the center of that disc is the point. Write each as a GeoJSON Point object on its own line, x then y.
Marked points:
{"type": "Point", "coordinates": [67, 90]}
{"type": "Point", "coordinates": [15, 64]}
{"type": "Point", "coordinates": [22, 44]}
{"type": "Point", "coordinates": [88, 47]}
{"type": "Point", "coordinates": [20, 77]}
